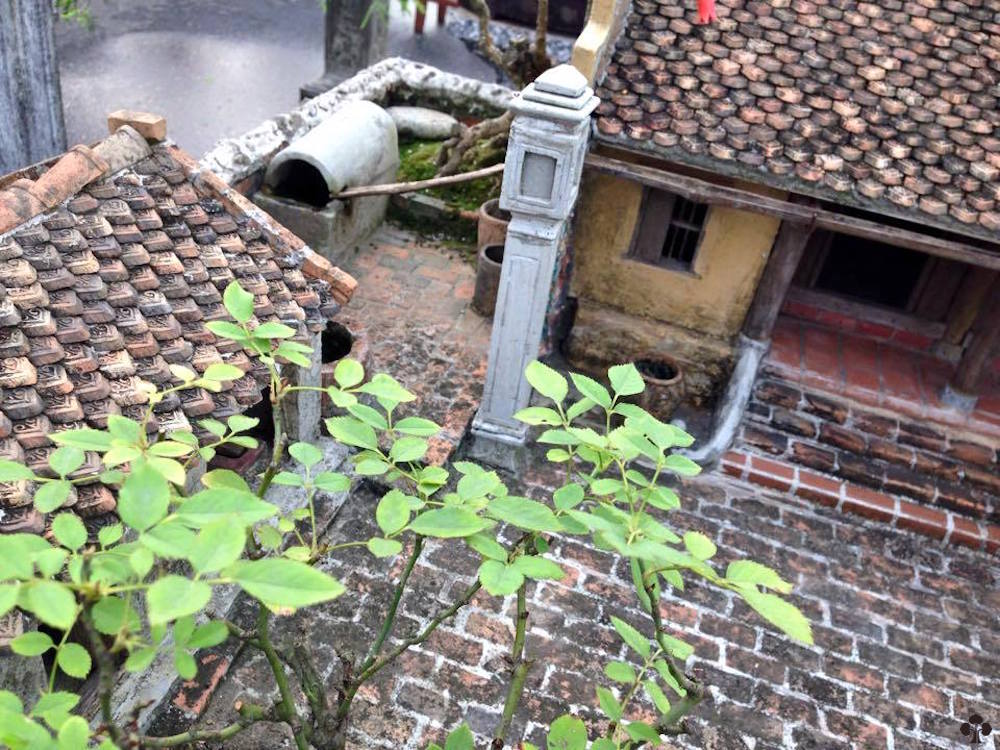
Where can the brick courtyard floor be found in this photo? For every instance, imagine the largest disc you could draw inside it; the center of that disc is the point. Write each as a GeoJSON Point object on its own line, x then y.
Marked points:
{"type": "Point", "coordinates": [412, 306]}
{"type": "Point", "coordinates": [907, 630]}
{"type": "Point", "coordinates": [907, 634]}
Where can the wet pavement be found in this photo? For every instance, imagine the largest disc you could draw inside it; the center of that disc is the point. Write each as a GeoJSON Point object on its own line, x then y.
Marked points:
{"type": "Point", "coordinates": [214, 69]}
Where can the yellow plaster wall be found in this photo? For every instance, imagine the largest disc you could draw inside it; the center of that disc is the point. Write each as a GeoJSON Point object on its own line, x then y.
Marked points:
{"type": "Point", "coordinates": [713, 300]}
{"type": "Point", "coordinates": [592, 47]}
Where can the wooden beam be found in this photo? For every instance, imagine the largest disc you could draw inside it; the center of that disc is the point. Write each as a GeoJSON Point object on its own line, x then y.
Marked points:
{"type": "Point", "coordinates": [968, 301]}
{"type": "Point", "coordinates": [983, 347]}
{"type": "Point", "coordinates": [777, 277]}
{"type": "Point", "coordinates": [703, 191]}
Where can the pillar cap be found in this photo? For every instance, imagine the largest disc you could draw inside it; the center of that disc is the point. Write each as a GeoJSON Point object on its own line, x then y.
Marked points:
{"type": "Point", "coordinates": [560, 93]}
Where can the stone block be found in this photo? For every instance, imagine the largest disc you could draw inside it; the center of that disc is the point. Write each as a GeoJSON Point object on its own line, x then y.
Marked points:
{"type": "Point", "coordinates": [149, 126]}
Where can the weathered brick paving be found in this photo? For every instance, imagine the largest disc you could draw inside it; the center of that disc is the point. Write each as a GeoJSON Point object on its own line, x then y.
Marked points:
{"type": "Point", "coordinates": [907, 634]}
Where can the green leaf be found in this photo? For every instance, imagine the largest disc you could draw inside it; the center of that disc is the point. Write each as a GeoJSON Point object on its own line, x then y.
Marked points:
{"type": "Point", "coordinates": [108, 535]}
{"type": "Point", "coordinates": [31, 643]}
{"type": "Point", "coordinates": [170, 540]}
{"type": "Point", "coordinates": [460, 739]}
{"type": "Point", "coordinates": [112, 613]}
{"type": "Point", "coordinates": [592, 390]}
{"type": "Point", "coordinates": [288, 479]}
{"type": "Point", "coordinates": [306, 454]}
{"type": "Point", "coordinates": [386, 388]}
{"type": "Point", "coordinates": [536, 415]}
{"type": "Point", "coordinates": [488, 547]}
{"type": "Point", "coordinates": [676, 647]}
{"type": "Point", "coordinates": [74, 734]}
{"type": "Point", "coordinates": [368, 415]}
{"type": "Point", "coordinates": [8, 597]}
{"type": "Point", "coordinates": [273, 330]}
{"type": "Point", "coordinates": [667, 676]}
{"type": "Point", "coordinates": [539, 568]}
{"type": "Point", "coordinates": [632, 637]}
{"type": "Point", "coordinates": [699, 545]}
{"type": "Point", "coordinates": [11, 471]}
{"type": "Point", "coordinates": [52, 495]}
{"type": "Point", "coordinates": [546, 381]}
{"type": "Point", "coordinates": [567, 733]}
{"type": "Point", "coordinates": [642, 732]}
{"type": "Point", "coordinates": [85, 438]}
{"type": "Point", "coordinates": [351, 431]}
{"type": "Point", "coordinates": [371, 467]}
{"type": "Point", "coordinates": [285, 584]}
{"type": "Point", "coordinates": [69, 531]}
{"type": "Point", "coordinates": [170, 449]}
{"type": "Point", "coordinates": [416, 426]}
{"type": "Point", "coordinates": [141, 560]}
{"type": "Point", "coordinates": [54, 707]}
{"type": "Point", "coordinates": [225, 329]}
{"type": "Point", "coordinates": [408, 449]}
{"type": "Point", "coordinates": [219, 545]}
{"type": "Point", "coordinates": [50, 561]}
{"type": "Point", "coordinates": [238, 302]}
{"type": "Point", "coordinates": [221, 372]}
{"type": "Point", "coordinates": [52, 603]}
{"type": "Point", "coordinates": [748, 571]}
{"type": "Point", "coordinates": [174, 596]}
{"type": "Point", "coordinates": [500, 579]}
{"type": "Point", "coordinates": [783, 615]}
{"type": "Point", "coordinates": [331, 481]}
{"type": "Point", "coordinates": [144, 497]}
{"type": "Point", "coordinates": [524, 513]}
{"type": "Point", "coordinates": [66, 459]}
{"type": "Point", "coordinates": [74, 660]}
{"type": "Point", "coordinates": [606, 486]}
{"type": "Point", "coordinates": [626, 380]}
{"type": "Point", "coordinates": [447, 523]}
{"type": "Point", "coordinates": [393, 512]}
{"type": "Point", "coordinates": [213, 505]}
{"type": "Point", "coordinates": [348, 373]}
{"type": "Point", "coordinates": [184, 663]}
{"type": "Point", "coordinates": [620, 671]}
{"type": "Point", "coordinates": [140, 659]}
{"type": "Point", "coordinates": [384, 547]}
{"type": "Point", "coordinates": [568, 496]}
{"type": "Point", "coordinates": [609, 704]}
{"type": "Point", "coordinates": [208, 635]}
{"type": "Point", "coordinates": [682, 465]}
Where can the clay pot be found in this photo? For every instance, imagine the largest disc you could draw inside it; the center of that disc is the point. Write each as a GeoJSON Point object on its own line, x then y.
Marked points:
{"type": "Point", "coordinates": [492, 224]}
{"type": "Point", "coordinates": [664, 380]}
{"type": "Point", "coordinates": [488, 265]}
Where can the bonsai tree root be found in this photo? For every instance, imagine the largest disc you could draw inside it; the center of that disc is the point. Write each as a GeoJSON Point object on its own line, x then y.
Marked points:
{"type": "Point", "coordinates": [454, 150]}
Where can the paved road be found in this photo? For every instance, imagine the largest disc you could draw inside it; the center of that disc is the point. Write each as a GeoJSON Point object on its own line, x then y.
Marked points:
{"type": "Point", "coordinates": [213, 68]}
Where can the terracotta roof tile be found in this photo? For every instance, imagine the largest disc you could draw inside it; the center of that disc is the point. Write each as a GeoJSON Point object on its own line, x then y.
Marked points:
{"type": "Point", "coordinates": [111, 261]}
{"type": "Point", "coordinates": [905, 95]}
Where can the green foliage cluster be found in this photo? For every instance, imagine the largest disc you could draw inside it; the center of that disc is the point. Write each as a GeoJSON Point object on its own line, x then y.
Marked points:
{"type": "Point", "coordinates": [418, 161]}
{"type": "Point", "coordinates": [142, 587]}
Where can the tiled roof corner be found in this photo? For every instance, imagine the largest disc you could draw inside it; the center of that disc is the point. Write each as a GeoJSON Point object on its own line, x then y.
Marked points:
{"type": "Point", "coordinates": [889, 107]}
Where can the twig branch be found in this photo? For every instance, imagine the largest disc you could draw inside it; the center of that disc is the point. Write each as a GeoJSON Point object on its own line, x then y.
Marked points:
{"type": "Point", "coordinates": [390, 617]}
{"type": "Point", "coordinates": [393, 188]}
{"type": "Point", "coordinates": [520, 672]}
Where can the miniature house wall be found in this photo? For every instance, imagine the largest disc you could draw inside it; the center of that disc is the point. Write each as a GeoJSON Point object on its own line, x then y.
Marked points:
{"type": "Point", "coordinates": [631, 309]}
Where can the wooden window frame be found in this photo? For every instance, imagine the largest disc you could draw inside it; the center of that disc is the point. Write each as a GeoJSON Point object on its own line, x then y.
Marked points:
{"type": "Point", "coordinates": [655, 223]}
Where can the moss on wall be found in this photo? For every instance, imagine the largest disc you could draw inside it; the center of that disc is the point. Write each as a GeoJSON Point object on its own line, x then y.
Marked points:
{"type": "Point", "coordinates": [418, 161]}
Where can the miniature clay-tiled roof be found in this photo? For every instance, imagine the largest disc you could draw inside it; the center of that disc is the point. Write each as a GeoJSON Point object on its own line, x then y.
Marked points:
{"type": "Point", "coordinates": [112, 260]}
{"type": "Point", "coordinates": [890, 106]}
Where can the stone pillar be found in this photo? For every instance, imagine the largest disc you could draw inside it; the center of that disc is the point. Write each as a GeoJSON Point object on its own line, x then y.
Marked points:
{"type": "Point", "coordinates": [548, 142]}
{"type": "Point", "coordinates": [31, 116]}
{"type": "Point", "coordinates": [303, 410]}
{"type": "Point", "coordinates": [355, 37]}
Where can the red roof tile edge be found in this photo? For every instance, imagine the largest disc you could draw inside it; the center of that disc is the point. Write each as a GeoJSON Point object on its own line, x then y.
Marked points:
{"type": "Point", "coordinates": [314, 265]}
{"type": "Point", "coordinates": [847, 497]}
{"type": "Point", "coordinates": [23, 199]}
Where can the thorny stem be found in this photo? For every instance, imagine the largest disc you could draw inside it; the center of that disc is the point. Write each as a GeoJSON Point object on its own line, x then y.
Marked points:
{"type": "Point", "coordinates": [414, 640]}
{"type": "Point", "coordinates": [390, 616]}
{"type": "Point", "coordinates": [249, 714]}
{"type": "Point", "coordinates": [672, 723]}
{"type": "Point", "coordinates": [520, 672]}
{"type": "Point", "coordinates": [286, 708]}
{"type": "Point", "coordinates": [105, 680]}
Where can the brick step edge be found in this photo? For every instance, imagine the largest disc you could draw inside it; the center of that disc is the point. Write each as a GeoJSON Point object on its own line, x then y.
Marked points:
{"type": "Point", "coordinates": [847, 497]}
